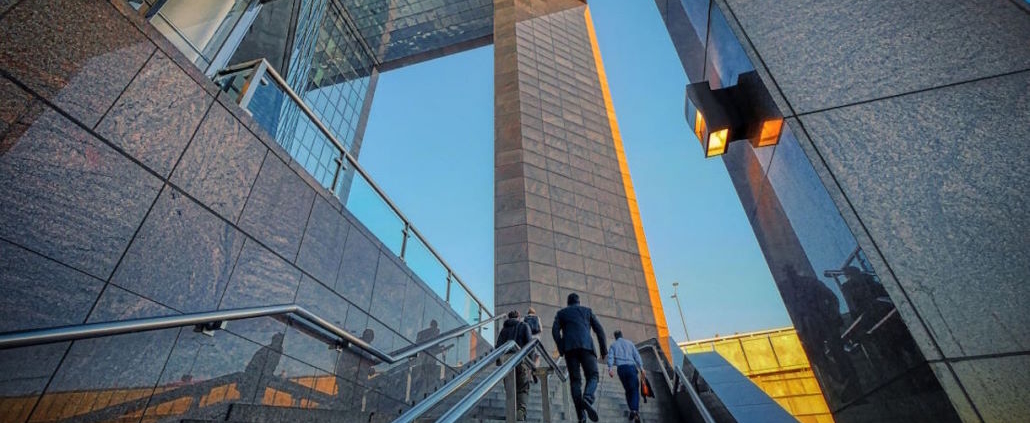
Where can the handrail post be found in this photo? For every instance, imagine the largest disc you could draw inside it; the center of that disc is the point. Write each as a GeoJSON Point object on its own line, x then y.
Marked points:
{"type": "Point", "coordinates": [250, 87]}
{"type": "Point", "coordinates": [545, 395]}
{"type": "Point", "coordinates": [340, 168]}
{"type": "Point", "coordinates": [510, 396]}
{"type": "Point", "coordinates": [404, 240]}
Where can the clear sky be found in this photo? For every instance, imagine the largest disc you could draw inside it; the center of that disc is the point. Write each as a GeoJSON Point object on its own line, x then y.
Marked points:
{"type": "Point", "coordinates": [429, 144]}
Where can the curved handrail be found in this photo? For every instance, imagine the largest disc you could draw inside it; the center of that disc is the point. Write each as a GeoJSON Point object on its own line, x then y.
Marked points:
{"type": "Point", "coordinates": [473, 397]}
{"type": "Point", "coordinates": [694, 396]}
{"type": "Point", "coordinates": [95, 330]}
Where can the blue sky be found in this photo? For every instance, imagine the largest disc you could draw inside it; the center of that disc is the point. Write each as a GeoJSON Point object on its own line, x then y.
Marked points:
{"type": "Point", "coordinates": [429, 145]}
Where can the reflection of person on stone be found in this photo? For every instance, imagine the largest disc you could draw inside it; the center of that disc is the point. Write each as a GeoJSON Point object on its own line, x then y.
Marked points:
{"type": "Point", "coordinates": [866, 298]}
{"type": "Point", "coordinates": [879, 329]}
{"type": "Point", "coordinates": [816, 314]}
{"type": "Point", "coordinates": [260, 367]}
{"type": "Point", "coordinates": [354, 363]}
{"type": "Point", "coordinates": [426, 369]}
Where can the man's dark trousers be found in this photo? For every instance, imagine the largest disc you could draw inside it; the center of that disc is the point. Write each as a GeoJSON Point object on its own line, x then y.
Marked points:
{"type": "Point", "coordinates": [581, 362]}
{"type": "Point", "coordinates": [630, 378]}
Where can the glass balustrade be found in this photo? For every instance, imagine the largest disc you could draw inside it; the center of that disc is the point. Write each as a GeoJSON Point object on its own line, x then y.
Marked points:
{"type": "Point", "coordinates": [264, 94]}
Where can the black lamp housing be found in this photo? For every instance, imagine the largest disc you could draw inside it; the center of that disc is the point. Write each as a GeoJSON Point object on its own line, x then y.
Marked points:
{"type": "Point", "coordinates": [745, 110]}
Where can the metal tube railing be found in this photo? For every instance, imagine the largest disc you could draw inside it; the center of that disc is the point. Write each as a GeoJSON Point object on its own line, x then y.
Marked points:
{"type": "Point", "coordinates": [263, 68]}
{"type": "Point", "coordinates": [691, 392]}
{"type": "Point", "coordinates": [469, 400]}
{"type": "Point", "coordinates": [96, 330]}
{"type": "Point", "coordinates": [450, 387]}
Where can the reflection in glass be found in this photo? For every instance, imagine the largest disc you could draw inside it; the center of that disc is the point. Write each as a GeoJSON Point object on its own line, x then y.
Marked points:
{"type": "Point", "coordinates": [370, 208]}
{"type": "Point", "coordinates": [426, 265]}
{"type": "Point", "coordinates": [199, 29]}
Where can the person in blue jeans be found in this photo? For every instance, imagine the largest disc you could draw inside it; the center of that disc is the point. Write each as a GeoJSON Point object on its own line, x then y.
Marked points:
{"type": "Point", "coordinates": [624, 359]}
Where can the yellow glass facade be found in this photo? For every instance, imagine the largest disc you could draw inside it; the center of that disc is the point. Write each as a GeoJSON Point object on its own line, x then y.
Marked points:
{"type": "Point", "coordinates": [773, 360]}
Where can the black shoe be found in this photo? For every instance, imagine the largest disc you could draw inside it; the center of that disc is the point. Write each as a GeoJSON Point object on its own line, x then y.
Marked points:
{"type": "Point", "coordinates": [588, 406]}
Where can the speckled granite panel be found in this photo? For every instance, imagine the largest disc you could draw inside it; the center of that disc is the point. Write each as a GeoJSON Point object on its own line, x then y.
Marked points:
{"type": "Point", "coordinates": [25, 372]}
{"type": "Point", "coordinates": [915, 396]}
{"type": "Point", "coordinates": [322, 248]}
{"type": "Point", "coordinates": [357, 272]}
{"type": "Point", "coordinates": [326, 304]}
{"type": "Point", "coordinates": [13, 101]}
{"type": "Point", "coordinates": [182, 256]}
{"type": "Point", "coordinates": [260, 279]}
{"type": "Point", "coordinates": [956, 394]}
{"type": "Point", "coordinates": [198, 358]}
{"type": "Point", "coordinates": [998, 386]}
{"type": "Point", "coordinates": [155, 117]}
{"type": "Point", "coordinates": [936, 177]}
{"type": "Point", "coordinates": [905, 310]}
{"type": "Point", "coordinates": [278, 208]}
{"type": "Point", "coordinates": [388, 294]}
{"type": "Point", "coordinates": [40, 293]}
{"type": "Point", "coordinates": [78, 54]}
{"type": "Point", "coordinates": [6, 4]}
{"type": "Point", "coordinates": [826, 54]}
{"type": "Point", "coordinates": [94, 197]}
{"type": "Point", "coordinates": [128, 361]}
{"type": "Point", "coordinates": [220, 165]}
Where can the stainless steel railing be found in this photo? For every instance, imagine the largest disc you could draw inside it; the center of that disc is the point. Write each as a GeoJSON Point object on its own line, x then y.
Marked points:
{"type": "Point", "coordinates": [479, 391]}
{"type": "Point", "coordinates": [214, 320]}
{"type": "Point", "coordinates": [677, 380]}
{"type": "Point", "coordinates": [256, 74]}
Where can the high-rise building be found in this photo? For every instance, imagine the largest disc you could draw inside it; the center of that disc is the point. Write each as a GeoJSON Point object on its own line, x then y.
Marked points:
{"type": "Point", "coordinates": [879, 152]}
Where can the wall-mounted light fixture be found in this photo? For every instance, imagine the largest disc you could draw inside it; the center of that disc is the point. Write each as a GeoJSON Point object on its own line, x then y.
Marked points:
{"type": "Point", "coordinates": [742, 111]}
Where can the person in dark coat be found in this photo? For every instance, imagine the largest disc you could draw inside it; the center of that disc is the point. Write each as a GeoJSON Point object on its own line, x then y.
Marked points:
{"type": "Point", "coordinates": [571, 332]}
{"type": "Point", "coordinates": [518, 331]}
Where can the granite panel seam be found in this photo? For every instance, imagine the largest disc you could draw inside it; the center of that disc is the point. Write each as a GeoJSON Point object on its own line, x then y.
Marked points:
{"type": "Point", "coordinates": [919, 91]}
{"type": "Point", "coordinates": [304, 232]}
{"type": "Point", "coordinates": [80, 124]}
{"type": "Point", "coordinates": [748, 46]}
{"type": "Point", "coordinates": [125, 251]}
{"type": "Point", "coordinates": [178, 160]}
{"type": "Point", "coordinates": [125, 88]}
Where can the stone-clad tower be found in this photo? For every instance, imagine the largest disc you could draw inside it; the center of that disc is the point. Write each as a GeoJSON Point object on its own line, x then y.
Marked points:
{"type": "Point", "coordinates": [566, 217]}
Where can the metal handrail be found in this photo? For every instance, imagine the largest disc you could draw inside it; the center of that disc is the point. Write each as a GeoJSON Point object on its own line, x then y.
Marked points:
{"type": "Point", "coordinates": [473, 397]}
{"type": "Point", "coordinates": [448, 389]}
{"type": "Point", "coordinates": [95, 330]}
{"type": "Point", "coordinates": [694, 396]}
{"type": "Point", "coordinates": [268, 69]}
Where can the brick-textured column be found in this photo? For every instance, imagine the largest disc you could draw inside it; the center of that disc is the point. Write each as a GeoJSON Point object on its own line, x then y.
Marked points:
{"type": "Point", "coordinates": [565, 212]}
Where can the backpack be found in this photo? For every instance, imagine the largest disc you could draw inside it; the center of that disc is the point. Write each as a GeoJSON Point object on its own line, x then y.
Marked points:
{"type": "Point", "coordinates": [534, 324]}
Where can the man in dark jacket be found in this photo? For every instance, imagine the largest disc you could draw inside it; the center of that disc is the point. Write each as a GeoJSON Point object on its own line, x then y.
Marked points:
{"type": "Point", "coordinates": [571, 332]}
{"type": "Point", "coordinates": [515, 330]}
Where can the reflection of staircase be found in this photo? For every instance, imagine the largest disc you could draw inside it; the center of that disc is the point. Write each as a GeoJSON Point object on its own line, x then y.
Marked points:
{"type": "Point", "coordinates": [610, 404]}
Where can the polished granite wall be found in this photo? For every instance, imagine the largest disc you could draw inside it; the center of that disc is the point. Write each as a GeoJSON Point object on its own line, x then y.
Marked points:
{"type": "Point", "coordinates": [129, 187]}
{"type": "Point", "coordinates": [912, 117]}
{"type": "Point", "coordinates": [563, 222]}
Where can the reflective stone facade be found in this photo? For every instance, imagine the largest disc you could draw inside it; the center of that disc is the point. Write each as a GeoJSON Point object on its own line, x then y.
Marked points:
{"type": "Point", "coordinates": [883, 215]}
{"type": "Point", "coordinates": [130, 187]}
